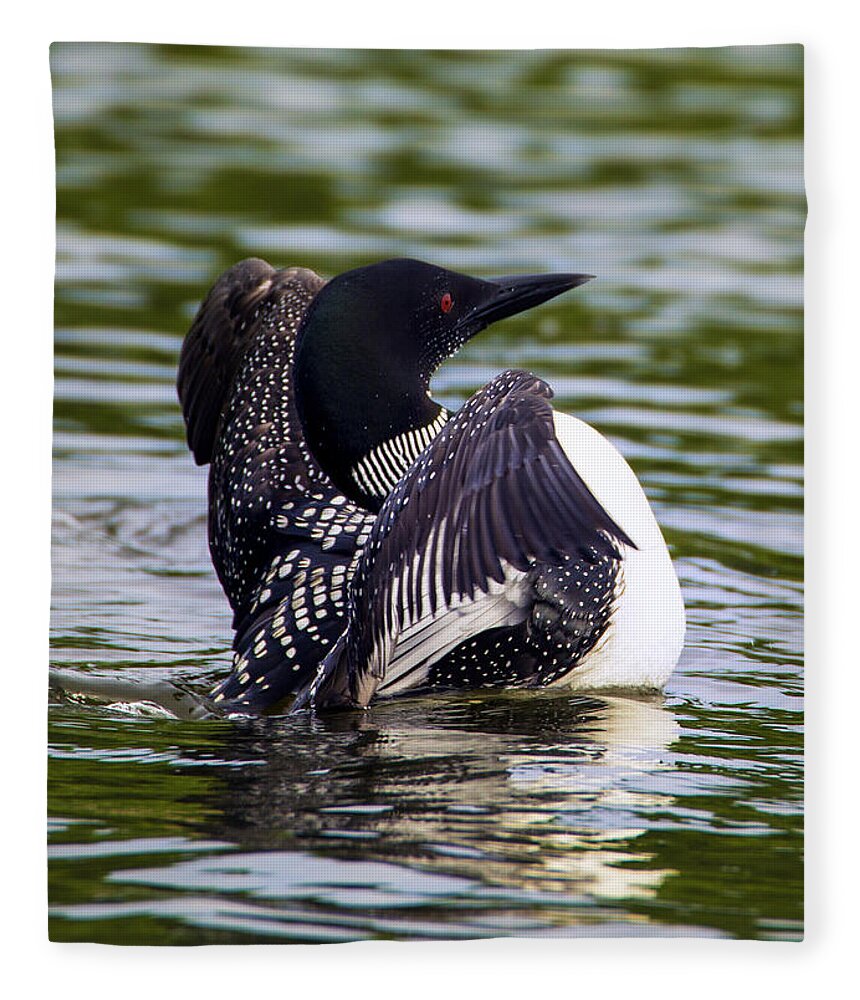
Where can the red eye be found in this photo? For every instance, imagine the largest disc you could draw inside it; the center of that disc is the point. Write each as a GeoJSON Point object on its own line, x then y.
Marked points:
{"type": "Point", "coordinates": [446, 302]}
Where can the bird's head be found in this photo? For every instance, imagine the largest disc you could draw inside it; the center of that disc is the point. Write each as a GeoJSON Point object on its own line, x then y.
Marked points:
{"type": "Point", "coordinates": [372, 339]}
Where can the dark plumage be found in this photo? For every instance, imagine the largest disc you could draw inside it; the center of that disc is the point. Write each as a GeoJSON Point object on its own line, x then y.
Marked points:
{"type": "Point", "coordinates": [479, 503]}
{"type": "Point", "coordinates": [492, 500]}
{"type": "Point", "coordinates": [280, 534]}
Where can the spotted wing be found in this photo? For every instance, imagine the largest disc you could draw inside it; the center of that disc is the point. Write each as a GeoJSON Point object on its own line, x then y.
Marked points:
{"type": "Point", "coordinates": [279, 531]}
{"type": "Point", "coordinates": [235, 384]}
{"type": "Point", "coordinates": [227, 322]}
{"type": "Point", "coordinates": [492, 496]}
{"type": "Point", "coordinates": [296, 616]}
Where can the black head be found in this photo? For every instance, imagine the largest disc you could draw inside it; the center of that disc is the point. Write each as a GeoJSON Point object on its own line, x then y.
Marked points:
{"type": "Point", "coordinates": [370, 342]}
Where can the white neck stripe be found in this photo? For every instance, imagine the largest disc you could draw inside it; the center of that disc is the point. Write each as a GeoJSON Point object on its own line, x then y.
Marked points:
{"type": "Point", "coordinates": [380, 470]}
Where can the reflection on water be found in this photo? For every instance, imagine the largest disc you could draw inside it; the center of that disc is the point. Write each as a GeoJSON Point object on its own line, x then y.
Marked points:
{"type": "Point", "coordinates": [676, 178]}
{"type": "Point", "coordinates": [452, 804]}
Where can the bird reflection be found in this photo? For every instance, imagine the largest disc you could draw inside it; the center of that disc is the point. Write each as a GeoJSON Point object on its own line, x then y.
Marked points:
{"type": "Point", "coordinates": [535, 793]}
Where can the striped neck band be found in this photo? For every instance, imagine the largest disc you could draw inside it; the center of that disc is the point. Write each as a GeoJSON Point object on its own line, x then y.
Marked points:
{"type": "Point", "coordinates": [380, 470]}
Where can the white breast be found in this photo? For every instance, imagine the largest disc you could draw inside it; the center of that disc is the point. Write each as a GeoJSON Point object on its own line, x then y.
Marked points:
{"type": "Point", "coordinates": [646, 633]}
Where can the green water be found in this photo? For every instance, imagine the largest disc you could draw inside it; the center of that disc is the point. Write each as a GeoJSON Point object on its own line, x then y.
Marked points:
{"type": "Point", "coordinates": [676, 178]}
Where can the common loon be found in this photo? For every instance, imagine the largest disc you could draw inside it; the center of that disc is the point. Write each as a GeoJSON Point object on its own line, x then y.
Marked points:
{"type": "Point", "coordinates": [372, 543]}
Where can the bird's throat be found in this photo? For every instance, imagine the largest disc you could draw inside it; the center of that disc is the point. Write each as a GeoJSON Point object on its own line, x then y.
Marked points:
{"type": "Point", "coordinates": [365, 430]}
{"type": "Point", "coordinates": [378, 472]}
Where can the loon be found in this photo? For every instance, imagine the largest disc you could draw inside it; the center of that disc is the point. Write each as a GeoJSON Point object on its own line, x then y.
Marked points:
{"type": "Point", "coordinates": [372, 543]}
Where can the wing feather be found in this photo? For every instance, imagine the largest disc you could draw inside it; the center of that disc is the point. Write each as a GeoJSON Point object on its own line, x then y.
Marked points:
{"type": "Point", "coordinates": [227, 323]}
{"type": "Point", "coordinates": [492, 495]}
{"type": "Point", "coordinates": [236, 389]}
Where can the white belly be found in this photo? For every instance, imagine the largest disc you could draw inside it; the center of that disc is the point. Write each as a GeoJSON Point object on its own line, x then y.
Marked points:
{"type": "Point", "coordinates": [646, 632]}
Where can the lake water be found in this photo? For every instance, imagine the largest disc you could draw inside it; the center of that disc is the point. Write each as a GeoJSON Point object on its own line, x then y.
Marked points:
{"type": "Point", "coordinates": [676, 178]}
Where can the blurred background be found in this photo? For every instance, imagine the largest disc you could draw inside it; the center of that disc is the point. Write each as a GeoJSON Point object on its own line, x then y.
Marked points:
{"type": "Point", "coordinates": [674, 176]}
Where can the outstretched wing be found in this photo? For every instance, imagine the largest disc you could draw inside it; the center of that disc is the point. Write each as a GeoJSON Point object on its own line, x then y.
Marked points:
{"type": "Point", "coordinates": [280, 533]}
{"type": "Point", "coordinates": [227, 322]}
{"type": "Point", "coordinates": [299, 608]}
{"type": "Point", "coordinates": [235, 383]}
{"type": "Point", "coordinates": [492, 495]}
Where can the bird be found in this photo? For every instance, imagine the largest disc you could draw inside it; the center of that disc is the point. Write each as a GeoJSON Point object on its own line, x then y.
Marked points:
{"type": "Point", "coordinates": [372, 543]}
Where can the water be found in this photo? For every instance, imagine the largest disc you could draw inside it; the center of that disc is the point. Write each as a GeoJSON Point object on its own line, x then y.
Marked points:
{"type": "Point", "coordinates": [673, 176]}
